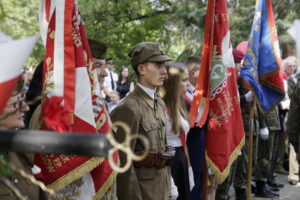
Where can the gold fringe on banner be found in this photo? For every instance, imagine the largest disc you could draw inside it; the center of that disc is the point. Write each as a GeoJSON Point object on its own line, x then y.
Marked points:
{"type": "Point", "coordinates": [76, 173]}
{"type": "Point", "coordinates": [221, 176]}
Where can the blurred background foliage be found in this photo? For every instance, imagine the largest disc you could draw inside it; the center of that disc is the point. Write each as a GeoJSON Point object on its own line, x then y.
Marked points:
{"type": "Point", "coordinates": [177, 24]}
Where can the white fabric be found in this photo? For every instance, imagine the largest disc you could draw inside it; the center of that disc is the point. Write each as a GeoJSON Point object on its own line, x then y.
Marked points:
{"type": "Point", "coordinates": [107, 80]}
{"type": "Point", "coordinates": [249, 96]}
{"type": "Point", "coordinates": [191, 178]}
{"type": "Point", "coordinates": [264, 133]}
{"type": "Point", "coordinates": [59, 50]}
{"type": "Point", "coordinates": [87, 191]}
{"type": "Point", "coordinates": [174, 190]}
{"type": "Point", "coordinates": [149, 91]}
{"type": "Point", "coordinates": [4, 38]}
{"type": "Point", "coordinates": [173, 139]}
{"type": "Point", "coordinates": [285, 103]}
{"type": "Point", "coordinates": [13, 55]}
{"type": "Point", "coordinates": [190, 92]}
{"type": "Point", "coordinates": [83, 98]}
{"type": "Point", "coordinates": [42, 19]}
{"type": "Point", "coordinates": [79, 189]}
{"type": "Point", "coordinates": [35, 170]}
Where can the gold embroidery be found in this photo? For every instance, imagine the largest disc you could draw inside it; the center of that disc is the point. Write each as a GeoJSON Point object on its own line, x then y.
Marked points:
{"type": "Point", "coordinates": [49, 83]}
{"type": "Point", "coordinates": [70, 192]}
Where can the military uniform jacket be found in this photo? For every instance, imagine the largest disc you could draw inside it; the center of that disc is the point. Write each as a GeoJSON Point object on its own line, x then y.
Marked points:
{"type": "Point", "coordinates": [24, 185]}
{"type": "Point", "coordinates": [144, 116]}
{"type": "Point", "coordinates": [293, 125]}
{"type": "Point", "coordinates": [259, 121]}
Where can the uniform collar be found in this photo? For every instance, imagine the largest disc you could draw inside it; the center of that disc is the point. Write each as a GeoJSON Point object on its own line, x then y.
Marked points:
{"type": "Point", "coordinates": [145, 96]}
{"type": "Point", "coordinates": [149, 91]}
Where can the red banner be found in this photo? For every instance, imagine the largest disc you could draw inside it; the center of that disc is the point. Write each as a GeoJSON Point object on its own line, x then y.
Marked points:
{"type": "Point", "coordinates": [70, 87]}
{"type": "Point", "coordinates": [217, 90]}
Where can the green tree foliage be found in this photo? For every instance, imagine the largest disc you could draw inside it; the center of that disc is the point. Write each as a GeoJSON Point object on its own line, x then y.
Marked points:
{"type": "Point", "coordinates": [19, 18]}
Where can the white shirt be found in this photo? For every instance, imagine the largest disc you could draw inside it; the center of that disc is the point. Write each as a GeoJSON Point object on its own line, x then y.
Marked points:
{"type": "Point", "coordinates": [190, 92]}
{"type": "Point", "coordinates": [149, 91]}
{"type": "Point", "coordinates": [107, 80]}
{"type": "Point", "coordinates": [174, 139]}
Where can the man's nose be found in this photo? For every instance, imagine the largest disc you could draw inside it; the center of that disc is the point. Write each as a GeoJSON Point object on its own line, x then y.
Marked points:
{"type": "Point", "coordinates": [103, 72]}
{"type": "Point", "coordinates": [24, 107]}
{"type": "Point", "coordinates": [164, 70]}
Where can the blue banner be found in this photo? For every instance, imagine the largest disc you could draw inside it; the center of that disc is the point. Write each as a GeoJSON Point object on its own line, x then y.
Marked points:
{"type": "Point", "coordinates": [262, 69]}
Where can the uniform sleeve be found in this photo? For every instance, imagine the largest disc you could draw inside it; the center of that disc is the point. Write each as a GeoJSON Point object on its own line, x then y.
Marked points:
{"type": "Point", "coordinates": [293, 125]}
{"type": "Point", "coordinates": [290, 86]}
{"type": "Point", "coordinates": [126, 114]}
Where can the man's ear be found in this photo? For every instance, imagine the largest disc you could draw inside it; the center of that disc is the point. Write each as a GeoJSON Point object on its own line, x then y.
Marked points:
{"type": "Point", "coordinates": [141, 69]}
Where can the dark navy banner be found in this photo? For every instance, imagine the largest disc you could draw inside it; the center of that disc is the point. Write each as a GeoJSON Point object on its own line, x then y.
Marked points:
{"type": "Point", "coordinates": [262, 68]}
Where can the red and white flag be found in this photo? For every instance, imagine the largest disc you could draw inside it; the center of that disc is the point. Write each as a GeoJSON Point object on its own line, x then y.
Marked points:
{"type": "Point", "coordinates": [13, 55]}
{"type": "Point", "coordinates": [71, 100]}
{"type": "Point", "coordinates": [216, 100]}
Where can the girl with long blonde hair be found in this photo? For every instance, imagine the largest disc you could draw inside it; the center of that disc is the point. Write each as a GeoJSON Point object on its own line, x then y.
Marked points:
{"type": "Point", "coordinates": [173, 90]}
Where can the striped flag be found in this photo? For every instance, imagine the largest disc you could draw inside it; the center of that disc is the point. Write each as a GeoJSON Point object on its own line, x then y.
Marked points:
{"type": "Point", "coordinates": [70, 88]}
{"type": "Point", "coordinates": [216, 101]}
{"type": "Point", "coordinates": [13, 55]}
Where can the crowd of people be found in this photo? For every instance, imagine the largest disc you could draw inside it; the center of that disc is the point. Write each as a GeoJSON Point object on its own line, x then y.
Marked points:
{"type": "Point", "coordinates": [157, 106]}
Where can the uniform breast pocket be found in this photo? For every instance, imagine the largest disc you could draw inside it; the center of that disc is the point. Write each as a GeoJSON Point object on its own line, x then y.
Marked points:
{"type": "Point", "coordinates": [150, 130]}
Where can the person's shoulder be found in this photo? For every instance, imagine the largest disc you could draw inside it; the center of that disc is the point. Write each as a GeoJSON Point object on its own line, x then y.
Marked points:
{"type": "Point", "coordinates": [131, 99]}
{"type": "Point", "coordinates": [129, 102]}
{"type": "Point", "coordinates": [297, 88]}
{"type": "Point", "coordinates": [127, 108]}
{"type": "Point", "coordinates": [115, 74]}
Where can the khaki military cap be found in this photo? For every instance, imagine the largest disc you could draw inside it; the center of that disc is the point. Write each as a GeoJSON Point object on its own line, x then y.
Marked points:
{"type": "Point", "coordinates": [147, 52]}
{"type": "Point", "coordinates": [98, 49]}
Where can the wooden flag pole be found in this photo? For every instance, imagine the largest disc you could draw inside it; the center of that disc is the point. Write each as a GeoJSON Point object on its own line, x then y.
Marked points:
{"type": "Point", "coordinates": [250, 152]}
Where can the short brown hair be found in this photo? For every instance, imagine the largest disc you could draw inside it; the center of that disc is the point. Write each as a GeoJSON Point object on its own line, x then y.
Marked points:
{"type": "Point", "coordinates": [191, 61]}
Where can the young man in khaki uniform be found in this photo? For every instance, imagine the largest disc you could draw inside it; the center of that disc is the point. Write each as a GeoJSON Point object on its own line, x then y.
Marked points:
{"type": "Point", "coordinates": [144, 112]}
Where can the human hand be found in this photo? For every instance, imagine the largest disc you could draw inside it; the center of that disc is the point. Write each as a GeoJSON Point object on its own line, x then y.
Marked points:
{"type": "Point", "coordinates": [249, 97]}
{"type": "Point", "coordinates": [264, 133]}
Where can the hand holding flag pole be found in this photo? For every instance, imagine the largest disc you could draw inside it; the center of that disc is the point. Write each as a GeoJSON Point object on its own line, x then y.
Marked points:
{"type": "Point", "coordinates": [262, 70]}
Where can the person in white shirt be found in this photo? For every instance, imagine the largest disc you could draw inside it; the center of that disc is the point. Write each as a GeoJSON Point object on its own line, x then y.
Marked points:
{"type": "Point", "coordinates": [110, 81]}
{"type": "Point", "coordinates": [114, 101]}
{"type": "Point", "coordinates": [175, 86]}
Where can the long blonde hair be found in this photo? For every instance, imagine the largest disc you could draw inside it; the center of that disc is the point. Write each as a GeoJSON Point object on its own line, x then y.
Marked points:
{"type": "Point", "coordinates": [172, 95]}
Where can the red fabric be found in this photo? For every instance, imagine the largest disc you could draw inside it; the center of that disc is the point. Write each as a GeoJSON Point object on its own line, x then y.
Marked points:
{"type": "Point", "coordinates": [237, 55]}
{"type": "Point", "coordinates": [187, 99]}
{"type": "Point", "coordinates": [69, 61]}
{"type": "Point", "coordinates": [76, 55]}
{"type": "Point", "coordinates": [225, 129]}
{"type": "Point", "coordinates": [48, 6]}
{"type": "Point", "coordinates": [6, 89]}
{"type": "Point", "coordinates": [276, 79]}
{"type": "Point", "coordinates": [182, 138]}
{"type": "Point", "coordinates": [242, 46]}
{"type": "Point", "coordinates": [201, 94]}
{"type": "Point", "coordinates": [102, 173]}
{"type": "Point", "coordinates": [56, 117]}
{"type": "Point", "coordinates": [285, 77]}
